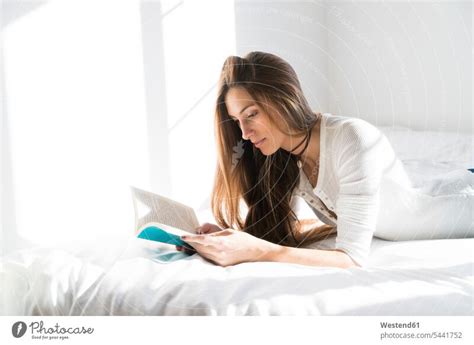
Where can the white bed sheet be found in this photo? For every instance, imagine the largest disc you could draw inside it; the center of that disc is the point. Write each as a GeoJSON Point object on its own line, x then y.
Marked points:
{"type": "Point", "coordinates": [128, 278]}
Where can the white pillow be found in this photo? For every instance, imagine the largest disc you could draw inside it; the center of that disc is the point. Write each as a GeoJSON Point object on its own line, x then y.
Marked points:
{"type": "Point", "coordinates": [451, 148]}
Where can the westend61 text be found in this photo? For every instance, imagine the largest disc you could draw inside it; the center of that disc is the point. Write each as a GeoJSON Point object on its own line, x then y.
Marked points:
{"type": "Point", "coordinates": [399, 325]}
{"type": "Point", "coordinates": [38, 328]}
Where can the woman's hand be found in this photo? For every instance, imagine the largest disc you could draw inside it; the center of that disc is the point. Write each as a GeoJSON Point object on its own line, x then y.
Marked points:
{"type": "Point", "coordinates": [229, 247]}
{"type": "Point", "coordinates": [206, 228]}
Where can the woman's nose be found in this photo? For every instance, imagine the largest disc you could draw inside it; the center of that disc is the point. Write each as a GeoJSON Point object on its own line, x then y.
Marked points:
{"type": "Point", "coordinates": [246, 132]}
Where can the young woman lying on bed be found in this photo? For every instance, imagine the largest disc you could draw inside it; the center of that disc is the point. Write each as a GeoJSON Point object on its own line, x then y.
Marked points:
{"type": "Point", "coordinates": [273, 147]}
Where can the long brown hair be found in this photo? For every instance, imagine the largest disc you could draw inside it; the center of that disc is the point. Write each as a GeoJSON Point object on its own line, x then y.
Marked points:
{"type": "Point", "coordinates": [264, 183]}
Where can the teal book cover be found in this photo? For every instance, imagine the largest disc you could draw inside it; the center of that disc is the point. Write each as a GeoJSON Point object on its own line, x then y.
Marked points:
{"type": "Point", "coordinates": [162, 233]}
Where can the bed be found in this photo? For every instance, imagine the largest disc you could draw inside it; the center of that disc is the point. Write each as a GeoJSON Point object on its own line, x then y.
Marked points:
{"type": "Point", "coordinates": [131, 276]}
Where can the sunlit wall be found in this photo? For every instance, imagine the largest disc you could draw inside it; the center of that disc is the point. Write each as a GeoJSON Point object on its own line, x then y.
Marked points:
{"type": "Point", "coordinates": [75, 108]}
{"type": "Point", "coordinates": [101, 95]}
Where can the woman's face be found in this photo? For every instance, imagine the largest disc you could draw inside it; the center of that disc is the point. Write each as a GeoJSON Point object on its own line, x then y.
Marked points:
{"type": "Point", "coordinates": [253, 121]}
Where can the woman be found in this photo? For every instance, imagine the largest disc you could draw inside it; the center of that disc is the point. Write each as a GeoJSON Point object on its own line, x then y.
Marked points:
{"type": "Point", "coordinates": [271, 148]}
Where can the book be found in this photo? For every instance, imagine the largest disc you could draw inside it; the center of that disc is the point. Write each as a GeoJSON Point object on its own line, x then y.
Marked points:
{"type": "Point", "coordinates": [161, 219]}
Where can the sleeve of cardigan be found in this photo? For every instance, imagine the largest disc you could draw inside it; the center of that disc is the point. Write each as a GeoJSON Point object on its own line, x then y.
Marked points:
{"type": "Point", "coordinates": [359, 174]}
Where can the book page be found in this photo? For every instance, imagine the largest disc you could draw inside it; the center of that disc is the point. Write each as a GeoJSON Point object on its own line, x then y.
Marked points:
{"type": "Point", "coordinates": [167, 228]}
{"type": "Point", "coordinates": [150, 207]}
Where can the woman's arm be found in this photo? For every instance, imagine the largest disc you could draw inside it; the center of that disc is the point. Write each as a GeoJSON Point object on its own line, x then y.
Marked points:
{"type": "Point", "coordinates": [229, 247]}
{"type": "Point", "coordinates": [310, 257]}
{"type": "Point", "coordinates": [309, 231]}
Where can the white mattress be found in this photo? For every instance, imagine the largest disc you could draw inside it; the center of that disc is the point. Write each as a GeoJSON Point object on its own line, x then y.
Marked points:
{"type": "Point", "coordinates": [130, 276]}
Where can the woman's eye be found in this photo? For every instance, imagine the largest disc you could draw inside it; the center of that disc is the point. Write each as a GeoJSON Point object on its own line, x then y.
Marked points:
{"type": "Point", "coordinates": [248, 117]}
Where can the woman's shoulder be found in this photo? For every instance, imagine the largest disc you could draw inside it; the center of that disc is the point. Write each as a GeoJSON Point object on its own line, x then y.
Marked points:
{"type": "Point", "coordinates": [346, 122]}
{"type": "Point", "coordinates": [351, 130]}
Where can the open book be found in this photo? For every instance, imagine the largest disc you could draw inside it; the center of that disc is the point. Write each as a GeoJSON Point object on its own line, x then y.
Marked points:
{"type": "Point", "coordinates": [160, 219]}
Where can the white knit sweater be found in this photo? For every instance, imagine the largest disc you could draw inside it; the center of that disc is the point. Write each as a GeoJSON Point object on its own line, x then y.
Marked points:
{"type": "Point", "coordinates": [355, 160]}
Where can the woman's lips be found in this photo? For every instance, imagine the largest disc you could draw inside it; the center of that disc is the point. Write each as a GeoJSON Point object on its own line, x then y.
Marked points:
{"type": "Point", "coordinates": [259, 143]}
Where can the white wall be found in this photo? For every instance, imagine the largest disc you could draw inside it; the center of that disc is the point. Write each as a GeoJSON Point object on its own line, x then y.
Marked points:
{"type": "Point", "coordinates": [294, 30]}
{"type": "Point", "coordinates": [403, 63]}
{"type": "Point", "coordinates": [197, 36]}
{"type": "Point", "coordinates": [74, 120]}
{"type": "Point", "coordinates": [101, 95]}
{"type": "Point", "coordinates": [392, 63]}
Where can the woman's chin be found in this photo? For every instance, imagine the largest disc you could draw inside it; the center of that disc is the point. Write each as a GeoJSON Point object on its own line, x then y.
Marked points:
{"type": "Point", "coordinates": [266, 151]}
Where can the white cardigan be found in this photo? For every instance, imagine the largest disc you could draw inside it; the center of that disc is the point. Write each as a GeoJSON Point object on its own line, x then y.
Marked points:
{"type": "Point", "coordinates": [368, 192]}
{"type": "Point", "coordinates": [355, 160]}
